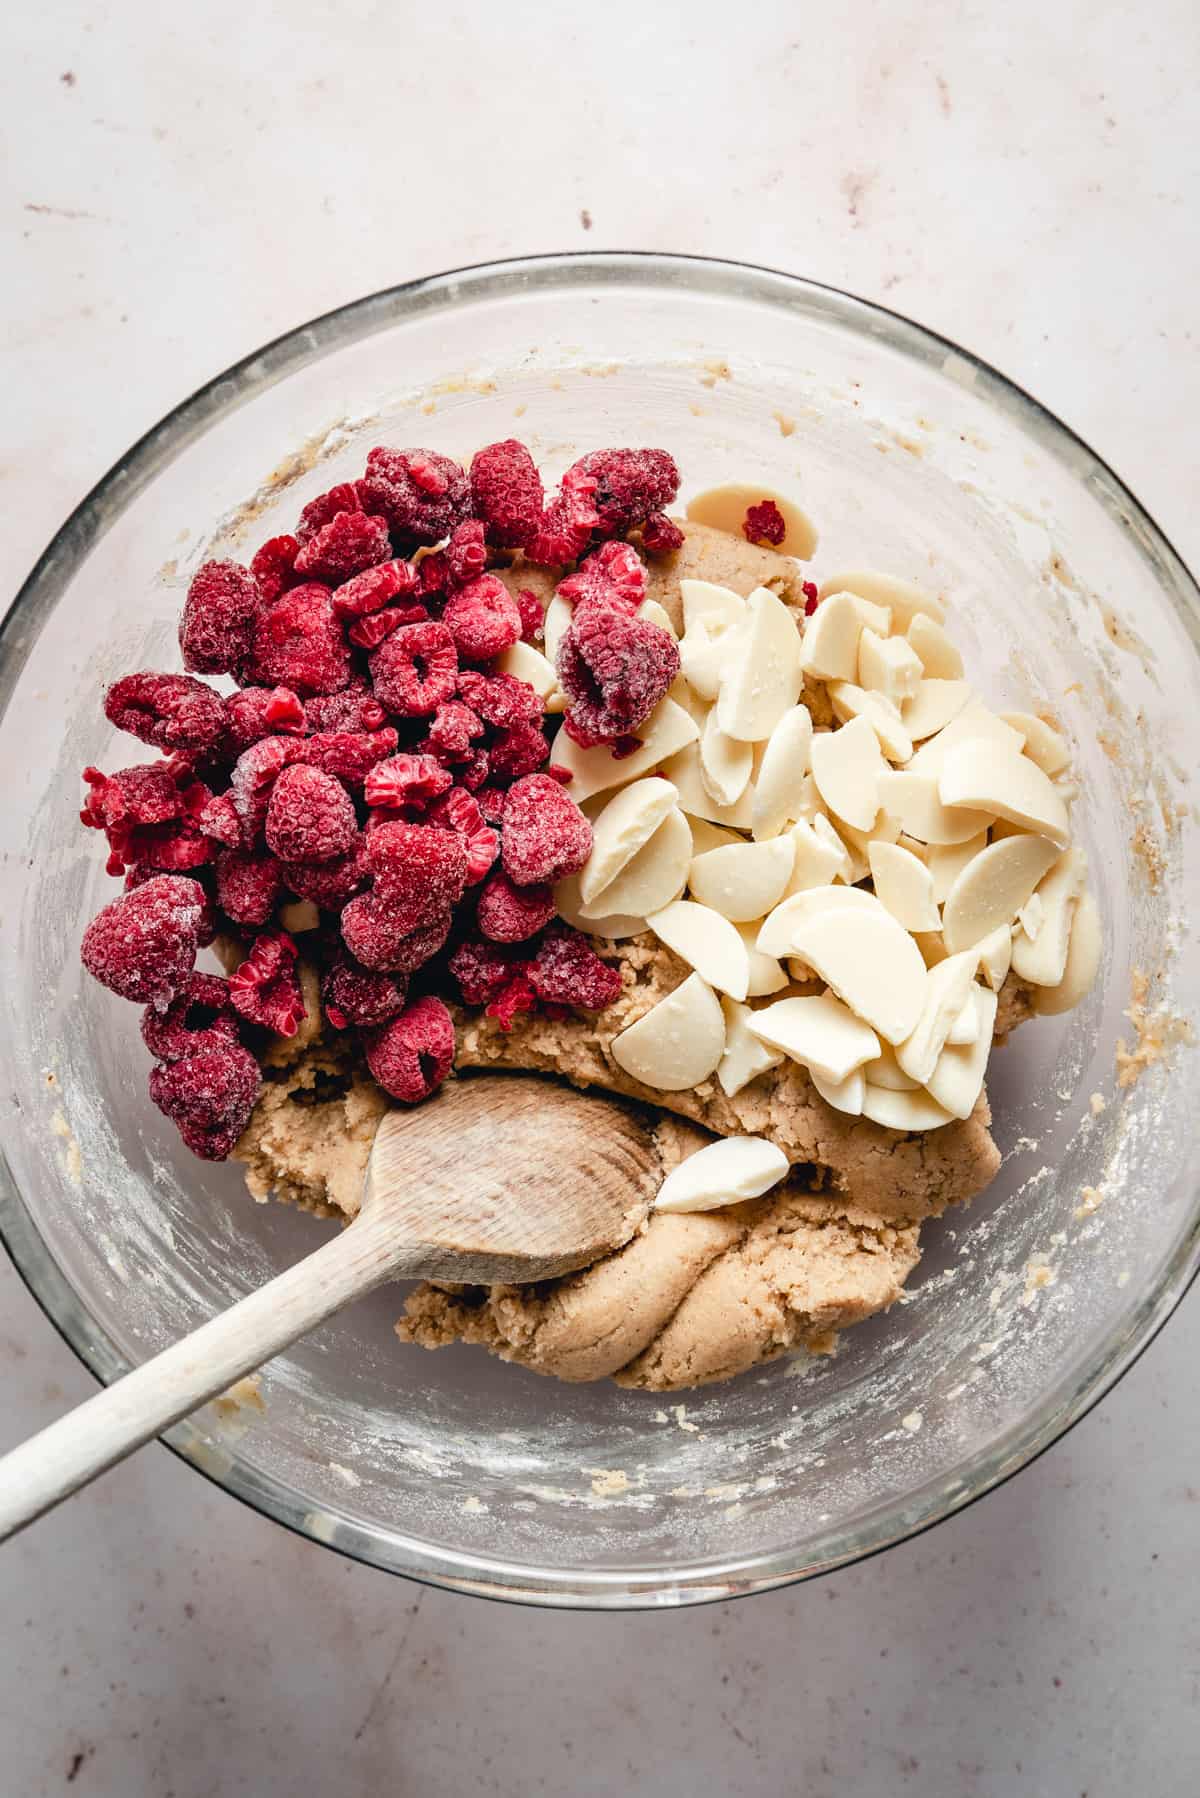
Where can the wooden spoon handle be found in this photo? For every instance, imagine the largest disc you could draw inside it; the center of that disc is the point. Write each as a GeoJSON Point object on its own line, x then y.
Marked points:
{"type": "Point", "coordinates": [104, 1429]}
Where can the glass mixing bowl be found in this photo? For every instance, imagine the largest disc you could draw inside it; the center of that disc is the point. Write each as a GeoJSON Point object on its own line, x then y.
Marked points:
{"type": "Point", "coordinates": [912, 457]}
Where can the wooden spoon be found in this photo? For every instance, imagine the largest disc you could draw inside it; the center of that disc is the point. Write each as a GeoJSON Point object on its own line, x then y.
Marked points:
{"type": "Point", "coordinates": [498, 1178]}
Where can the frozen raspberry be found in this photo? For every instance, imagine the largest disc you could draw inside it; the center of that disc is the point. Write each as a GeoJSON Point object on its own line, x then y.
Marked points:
{"type": "Point", "coordinates": [614, 577]}
{"type": "Point", "coordinates": [506, 493]}
{"type": "Point", "coordinates": [368, 633]}
{"type": "Point", "coordinates": [545, 835]}
{"type": "Point", "coordinates": [349, 544]}
{"type": "Point", "coordinates": [361, 996]}
{"type": "Point", "coordinates": [454, 729]}
{"type": "Point", "coordinates": [483, 969]}
{"type": "Point", "coordinates": [217, 627]}
{"type": "Point", "coordinates": [533, 617]}
{"type": "Point", "coordinates": [325, 508]}
{"type": "Point", "coordinates": [811, 597]}
{"type": "Point", "coordinates": [198, 1018]}
{"type": "Point", "coordinates": [248, 886]}
{"type": "Point", "coordinates": [257, 712]}
{"type": "Point", "coordinates": [474, 771]}
{"type": "Point", "coordinates": [466, 555]}
{"type": "Point", "coordinates": [630, 485]}
{"type": "Point", "coordinates": [220, 822]}
{"type": "Point", "coordinates": [310, 817]}
{"type": "Point", "coordinates": [567, 971]}
{"type": "Point", "coordinates": [567, 522]}
{"type": "Point", "coordinates": [660, 535]}
{"type": "Point", "coordinates": [374, 937]}
{"type": "Point", "coordinates": [265, 989]}
{"type": "Point", "coordinates": [407, 780]}
{"type": "Point", "coordinates": [254, 774]}
{"type": "Point", "coordinates": [614, 669]}
{"type": "Point", "coordinates": [411, 1055]}
{"type": "Point", "coordinates": [564, 776]}
{"type": "Point", "coordinates": [348, 755]}
{"type": "Point", "coordinates": [142, 795]}
{"type": "Point", "coordinates": [172, 711]}
{"type": "Point", "coordinates": [490, 800]}
{"type": "Point", "coordinates": [355, 708]}
{"type": "Point", "coordinates": [500, 699]}
{"type": "Point", "coordinates": [415, 670]}
{"type": "Point", "coordinates": [433, 578]}
{"type": "Point", "coordinates": [518, 751]}
{"type": "Point", "coordinates": [375, 588]}
{"type": "Point", "coordinates": [516, 997]}
{"type": "Point", "coordinates": [420, 871]}
{"type": "Point", "coordinates": [458, 810]}
{"type": "Point", "coordinates": [764, 523]}
{"type": "Point", "coordinates": [333, 883]}
{"type": "Point", "coordinates": [483, 619]}
{"type": "Point", "coordinates": [421, 495]}
{"type": "Point", "coordinates": [143, 946]}
{"type": "Point", "coordinates": [512, 914]}
{"type": "Point", "coordinates": [170, 848]}
{"type": "Point", "coordinates": [209, 1096]}
{"type": "Point", "coordinates": [298, 643]}
{"type": "Point", "coordinates": [273, 567]}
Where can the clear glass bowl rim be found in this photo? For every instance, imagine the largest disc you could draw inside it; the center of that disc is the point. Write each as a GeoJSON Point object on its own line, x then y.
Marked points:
{"type": "Point", "coordinates": [581, 1587]}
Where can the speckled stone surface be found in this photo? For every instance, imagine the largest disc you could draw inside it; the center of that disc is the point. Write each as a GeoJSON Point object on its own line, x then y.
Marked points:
{"type": "Point", "coordinates": [180, 187]}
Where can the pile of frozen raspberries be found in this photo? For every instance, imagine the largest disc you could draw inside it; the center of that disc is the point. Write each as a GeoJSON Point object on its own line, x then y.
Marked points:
{"type": "Point", "coordinates": [375, 762]}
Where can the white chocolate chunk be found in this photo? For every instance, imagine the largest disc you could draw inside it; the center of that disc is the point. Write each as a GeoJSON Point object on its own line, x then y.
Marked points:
{"type": "Point", "coordinates": [706, 836]}
{"type": "Point", "coordinates": [766, 972]}
{"type": "Point", "coordinates": [725, 763]}
{"type": "Point", "coordinates": [778, 933]}
{"type": "Point", "coordinates": [723, 1173]}
{"type": "Point", "coordinates": [816, 860]}
{"type": "Point", "coordinates": [886, 1071]}
{"type": "Point", "coordinates": [1043, 744]}
{"type": "Point", "coordinates": [819, 1032]}
{"type": "Point", "coordinates": [957, 1081]}
{"type": "Point", "coordinates": [904, 885]}
{"type": "Point", "coordinates": [683, 771]}
{"type": "Point", "coordinates": [1032, 915]}
{"type": "Point", "coordinates": [628, 820]}
{"type": "Point", "coordinates": [938, 655]}
{"type": "Point", "coordinates": [831, 637]}
{"type": "Point", "coordinates": [1007, 786]}
{"type": "Point", "coordinates": [888, 665]}
{"type": "Point", "coordinates": [706, 651]}
{"type": "Point", "coordinates": [992, 888]}
{"type": "Point", "coordinates": [745, 881]}
{"type": "Point", "coordinates": [1083, 962]}
{"type": "Point", "coordinates": [847, 765]}
{"type": "Point", "coordinates": [299, 916]}
{"type": "Point", "coordinates": [871, 963]}
{"type": "Point", "coordinates": [779, 789]}
{"type": "Point", "coordinates": [904, 599]}
{"type": "Point", "coordinates": [746, 1056]}
{"type": "Point", "coordinates": [764, 680]}
{"type": "Point", "coordinates": [707, 942]}
{"type": "Point", "coordinates": [555, 626]}
{"type": "Point", "coordinates": [844, 1095]}
{"type": "Point", "coordinates": [995, 956]}
{"type": "Point", "coordinates": [526, 663]}
{"type": "Point", "coordinates": [947, 861]}
{"type": "Point", "coordinates": [1044, 962]}
{"type": "Point", "coordinates": [965, 1028]}
{"type": "Point", "coordinates": [619, 926]}
{"type": "Point", "coordinates": [704, 599]}
{"type": "Point", "coordinates": [849, 701]}
{"type": "Point", "coordinates": [666, 731]}
{"type": "Point", "coordinates": [650, 879]}
{"type": "Point", "coordinates": [974, 723]}
{"type": "Point", "coordinates": [947, 990]}
{"type": "Point", "coordinates": [678, 1043]}
{"type": "Point", "coordinates": [933, 706]}
{"type": "Point", "coordinates": [903, 1110]}
{"type": "Point", "coordinates": [932, 946]}
{"type": "Point", "coordinates": [886, 829]}
{"type": "Point", "coordinates": [725, 508]}
{"type": "Point", "coordinates": [915, 801]}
